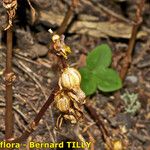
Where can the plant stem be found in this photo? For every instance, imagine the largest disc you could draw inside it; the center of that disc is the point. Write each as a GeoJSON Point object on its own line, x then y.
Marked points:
{"type": "Point", "coordinates": [33, 125]}
{"type": "Point", "coordinates": [92, 112]}
{"type": "Point", "coordinates": [9, 120]}
{"type": "Point", "coordinates": [67, 18]}
{"type": "Point", "coordinates": [128, 57]}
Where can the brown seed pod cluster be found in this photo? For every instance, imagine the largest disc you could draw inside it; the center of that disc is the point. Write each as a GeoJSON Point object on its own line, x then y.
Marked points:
{"type": "Point", "coordinates": [11, 6]}
{"type": "Point", "coordinates": [70, 97]}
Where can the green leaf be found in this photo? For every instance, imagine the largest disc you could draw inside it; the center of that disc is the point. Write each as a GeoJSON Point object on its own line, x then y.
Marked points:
{"type": "Point", "coordinates": [88, 83]}
{"type": "Point", "coordinates": [108, 80]}
{"type": "Point", "coordinates": [100, 56]}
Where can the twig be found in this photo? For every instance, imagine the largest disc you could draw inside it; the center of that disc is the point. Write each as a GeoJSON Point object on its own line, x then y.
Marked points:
{"type": "Point", "coordinates": [24, 58]}
{"type": "Point", "coordinates": [28, 71]}
{"type": "Point", "coordinates": [92, 140]}
{"type": "Point", "coordinates": [34, 77]}
{"type": "Point", "coordinates": [128, 58]}
{"type": "Point", "coordinates": [36, 111]}
{"type": "Point", "coordinates": [67, 18]}
{"type": "Point", "coordinates": [33, 13]}
{"type": "Point", "coordinates": [20, 125]}
{"type": "Point", "coordinates": [32, 126]}
{"type": "Point", "coordinates": [28, 143]}
{"type": "Point", "coordinates": [98, 122]}
{"type": "Point", "coordinates": [17, 111]}
{"type": "Point", "coordinates": [108, 11]}
{"type": "Point", "coordinates": [115, 15]}
{"type": "Point", "coordinates": [140, 137]}
{"type": "Point", "coordinates": [80, 136]}
{"type": "Point", "coordinates": [9, 118]}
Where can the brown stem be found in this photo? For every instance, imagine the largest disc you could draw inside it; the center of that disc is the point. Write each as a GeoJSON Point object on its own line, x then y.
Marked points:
{"type": "Point", "coordinates": [128, 58]}
{"type": "Point", "coordinates": [63, 62]}
{"type": "Point", "coordinates": [67, 18]}
{"type": "Point", "coordinates": [98, 121]}
{"type": "Point", "coordinates": [33, 125]}
{"type": "Point", "coordinates": [9, 118]}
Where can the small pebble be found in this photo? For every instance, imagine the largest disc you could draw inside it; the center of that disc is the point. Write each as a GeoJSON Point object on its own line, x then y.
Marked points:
{"type": "Point", "coordinates": [43, 37]}
{"type": "Point", "coordinates": [132, 79]}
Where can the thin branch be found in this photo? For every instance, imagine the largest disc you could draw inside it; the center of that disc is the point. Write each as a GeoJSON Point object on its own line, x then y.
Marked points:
{"type": "Point", "coordinates": [128, 58]}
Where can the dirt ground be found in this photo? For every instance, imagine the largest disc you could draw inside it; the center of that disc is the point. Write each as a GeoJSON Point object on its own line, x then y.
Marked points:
{"type": "Point", "coordinates": [92, 23]}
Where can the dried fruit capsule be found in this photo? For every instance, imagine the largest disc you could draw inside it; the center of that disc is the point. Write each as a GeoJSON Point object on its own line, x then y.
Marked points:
{"type": "Point", "coordinates": [70, 78]}
{"type": "Point", "coordinates": [77, 95]}
{"type": "Point", "coordinates": [71, 118]}
{"type": "Point", "coordinates": [9, 4]}
{"type": "Point", "coordinates": [80, 94]}
{"type": "Point", "coordinates": [62, 102]}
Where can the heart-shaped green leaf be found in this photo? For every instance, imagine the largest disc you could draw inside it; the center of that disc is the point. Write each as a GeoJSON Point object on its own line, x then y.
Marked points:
{"type": "Point", "coordinates": [108, 80]}
{"type": "Point", "coordinates": [88, 82]}
{"type": "Point", "coordinates": [100, 56]}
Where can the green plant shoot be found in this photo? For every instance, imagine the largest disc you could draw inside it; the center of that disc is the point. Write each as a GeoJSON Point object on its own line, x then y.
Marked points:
{"type": "Point", "coordinates": [97, 74]}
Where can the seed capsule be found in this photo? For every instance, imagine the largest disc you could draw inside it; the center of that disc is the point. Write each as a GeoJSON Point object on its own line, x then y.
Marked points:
{"type": "Point", "coordinates": [71, 118]}
{"type": "Point", "coordinates": [9, 4]}
{"type": "Point", "coordinates": [62, 102]}
{"type": "Point", "coordinates": [80, 94]}
{"type": "Point", "coordinates": [70, 78]}
{"type": "Point", "coordinates": [77, 95]}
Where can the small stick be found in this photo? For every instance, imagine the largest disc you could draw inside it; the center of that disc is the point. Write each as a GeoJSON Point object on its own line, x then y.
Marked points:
{"type": "Point", "coordinates": [98, 122]}
{"type": "Point", "coordinates": [19, 112]}
{"type": "Point", "coordinates": [32, 75]}
{"type": "Point", "coordinates": [108, 11]}
{"type": "Point", "coordinates": [128, 58]}
{"type": "Point", "coordinates": [113, 14]}
{"type": "Point", "coordinates": [92, 140]}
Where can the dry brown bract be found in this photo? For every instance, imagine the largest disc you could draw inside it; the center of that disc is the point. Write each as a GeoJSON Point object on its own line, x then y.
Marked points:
{"type": "Point", "coordinates": [59, 46]}
{"type": "Point", "coordinates": [11, 6]}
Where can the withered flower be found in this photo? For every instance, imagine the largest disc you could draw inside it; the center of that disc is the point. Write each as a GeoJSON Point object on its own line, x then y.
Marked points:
{"type": "Point", "coordinates": [11, 6]}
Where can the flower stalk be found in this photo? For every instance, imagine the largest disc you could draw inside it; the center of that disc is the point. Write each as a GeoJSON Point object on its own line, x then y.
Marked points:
{"type": "Point", "coordinates": [9, 77]}
{"type": "Point", "coordinates": [10, 6]}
